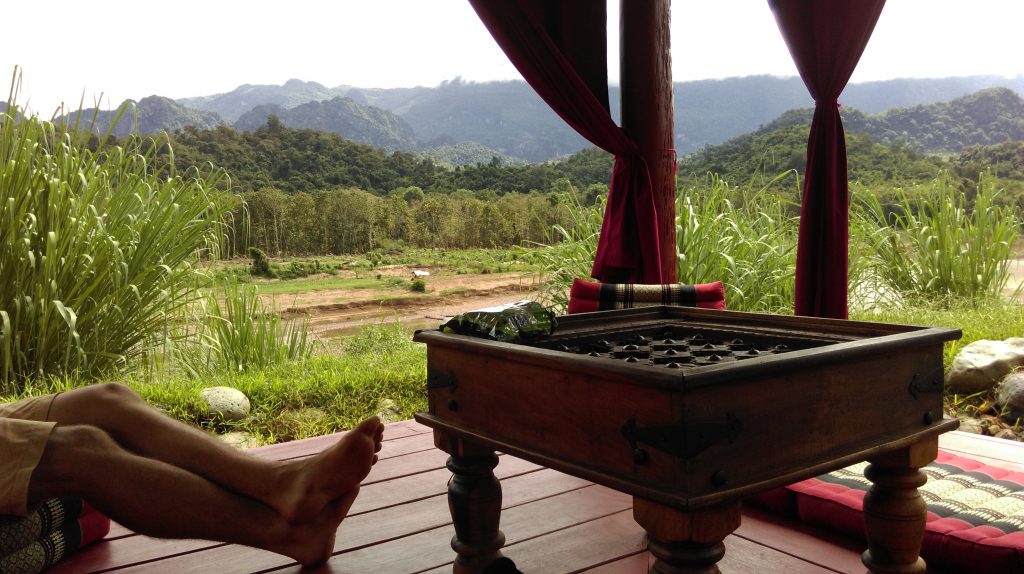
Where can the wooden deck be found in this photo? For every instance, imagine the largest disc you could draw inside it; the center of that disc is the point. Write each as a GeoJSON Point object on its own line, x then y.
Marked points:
{"type": "Point", "coordinates": [553, 523]}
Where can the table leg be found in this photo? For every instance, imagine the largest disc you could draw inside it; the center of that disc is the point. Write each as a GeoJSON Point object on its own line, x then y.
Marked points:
{"type": "Point", "coordinates": [686, 542]}
{"type": "Point", "coordinates": [894, 512]}
{"type": "Point", "coordinates": [474, 499]}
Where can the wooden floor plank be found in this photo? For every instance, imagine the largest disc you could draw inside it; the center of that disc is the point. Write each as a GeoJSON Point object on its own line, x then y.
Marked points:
{"type": "Point", "coordinates": [826, 549]}
{"type": "Point", "coordinates": [633, 564]}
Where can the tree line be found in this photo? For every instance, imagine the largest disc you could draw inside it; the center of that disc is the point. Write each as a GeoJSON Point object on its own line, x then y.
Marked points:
{"type": "Point", "coordinates": [348, 220]}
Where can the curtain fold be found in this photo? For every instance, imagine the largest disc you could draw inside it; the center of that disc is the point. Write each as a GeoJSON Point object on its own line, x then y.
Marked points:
{"type": "Point", "coordinates": [560, 48]}
{"type": "Point", "coordinates": [826, 39]}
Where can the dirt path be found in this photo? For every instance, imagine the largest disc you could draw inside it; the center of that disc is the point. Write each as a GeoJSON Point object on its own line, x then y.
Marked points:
{"type": "Point", "coordinates": [341, 311]}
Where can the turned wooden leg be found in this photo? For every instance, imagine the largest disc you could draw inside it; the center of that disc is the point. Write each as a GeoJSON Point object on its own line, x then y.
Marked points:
{"type": "Point", "coordinates": [894, 512]}
{"type": "Point", "coordinates": [474, 499]}
{"type": "Point", "coordinates": [686, 542]}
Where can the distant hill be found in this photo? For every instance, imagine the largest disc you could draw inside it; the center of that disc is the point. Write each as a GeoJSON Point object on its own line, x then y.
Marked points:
{"type": "Point", "coordinates": [880, 96]}
{"type": "Point", "coordinates": [986, 117]}
{"type": "Point", "coordinates": [154, 114]}
{"type": "Point", "coordinates": [356, 122]}
{"type": "Point", "coordinates": [506, 116]}
{"type": "Point", "coordinates": [231, 105]}
{"type": "Point", "coordinates": [471, 153]}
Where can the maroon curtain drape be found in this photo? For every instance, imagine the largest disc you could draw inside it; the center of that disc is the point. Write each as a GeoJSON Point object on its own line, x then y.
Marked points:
{"type": "Point", "coordinates": [560, 48]}
{"type": "Point", "coordinates": [826, 39]}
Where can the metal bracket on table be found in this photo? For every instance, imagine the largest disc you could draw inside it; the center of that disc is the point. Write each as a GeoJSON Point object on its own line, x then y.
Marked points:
{"type": "Point", "coordinates": [442, 380]}
{"type": "Point", "coordinates": [930, 383]}
{"type": "Point", "coordinates": [685, 440]}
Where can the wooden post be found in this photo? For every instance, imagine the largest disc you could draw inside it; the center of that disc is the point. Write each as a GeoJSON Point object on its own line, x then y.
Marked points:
{"type": "Point", "coordinates": [648, 108]}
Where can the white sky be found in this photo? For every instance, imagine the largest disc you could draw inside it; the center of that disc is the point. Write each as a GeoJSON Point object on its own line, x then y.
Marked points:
{"type": "Point", "coordinates": [135, 48]}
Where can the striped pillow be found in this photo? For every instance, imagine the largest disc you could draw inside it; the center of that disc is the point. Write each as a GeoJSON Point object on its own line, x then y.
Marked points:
{"type": "Point", "coordinates": [586, 296]}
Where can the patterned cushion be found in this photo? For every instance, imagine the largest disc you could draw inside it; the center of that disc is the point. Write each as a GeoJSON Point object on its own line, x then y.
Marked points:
{"type": "Point", "coordinates": [57, 528]}
{"type": "Point", "coordinates": [586, 296]}
{"type": "Point", "coordinates": [975, 511]}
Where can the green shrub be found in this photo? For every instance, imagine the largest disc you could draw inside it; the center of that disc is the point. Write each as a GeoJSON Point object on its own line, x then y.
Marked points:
{"type": "Point", "coordinates": [418, 285]}
{"type": "Point", "coordinates": [99, 250]}
{"type": "Point", "coordinates": [260, 263]}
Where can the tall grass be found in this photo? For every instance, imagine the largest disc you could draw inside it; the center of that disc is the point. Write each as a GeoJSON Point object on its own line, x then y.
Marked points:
{"type": "Point", "coordinates": [746, 240]}
{"type": "Point", "coordinates": [236, 332]}
{"type": "Point", "coordinates": [573, 256]}
{"type": "Point", "coordinates": [935, 247]}
{"type": "Point", "coordinates": [97, 250]}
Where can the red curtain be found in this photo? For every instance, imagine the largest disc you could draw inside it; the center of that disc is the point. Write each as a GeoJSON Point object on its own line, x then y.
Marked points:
{"type": "Point", "coordinates": [826, 39]}
{"type": "Point", "coordinates": [560, 48]}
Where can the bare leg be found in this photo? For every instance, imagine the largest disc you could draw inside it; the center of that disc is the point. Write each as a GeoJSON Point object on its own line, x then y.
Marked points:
{"type": "Point", "coordinates": [298, 490]}
{"type": "Point", "coordinates": [158, 499]}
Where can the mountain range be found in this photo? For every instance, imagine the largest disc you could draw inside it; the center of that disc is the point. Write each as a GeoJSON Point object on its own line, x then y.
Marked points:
{"type": "Point", "coordinates": [508, 120]}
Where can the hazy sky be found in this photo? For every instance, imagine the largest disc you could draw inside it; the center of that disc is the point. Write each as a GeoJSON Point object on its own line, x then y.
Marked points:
{"type": "Point", "coordinates": [132, 49]}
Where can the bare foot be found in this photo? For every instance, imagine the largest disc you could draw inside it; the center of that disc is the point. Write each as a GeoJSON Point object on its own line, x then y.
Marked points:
{"type": "Point", "coordinates": [312, 544]}
{"type": "Point", "coordinates": [309, 485]}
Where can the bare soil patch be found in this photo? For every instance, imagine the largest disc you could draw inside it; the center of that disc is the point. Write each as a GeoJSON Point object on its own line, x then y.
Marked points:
{"type": "Point", "coordinates": [337, 311]}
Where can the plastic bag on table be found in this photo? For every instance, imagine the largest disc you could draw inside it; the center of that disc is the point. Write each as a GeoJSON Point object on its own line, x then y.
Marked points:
{"type": "Point", "coordinates": [512, 322]}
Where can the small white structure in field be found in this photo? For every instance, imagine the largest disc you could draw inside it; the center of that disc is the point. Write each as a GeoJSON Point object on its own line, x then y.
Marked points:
{"type": "Point", "coordinates": [417, 273]}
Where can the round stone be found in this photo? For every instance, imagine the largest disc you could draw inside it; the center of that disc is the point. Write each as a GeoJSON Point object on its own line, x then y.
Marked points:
{"type": "Point", "coordinates": [227, 403]}
{"type": "Point", "coordinates": [983, 363]}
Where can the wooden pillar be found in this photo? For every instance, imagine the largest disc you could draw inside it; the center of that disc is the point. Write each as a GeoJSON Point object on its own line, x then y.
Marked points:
{"type": "Point", "coordinates": [648, 107]}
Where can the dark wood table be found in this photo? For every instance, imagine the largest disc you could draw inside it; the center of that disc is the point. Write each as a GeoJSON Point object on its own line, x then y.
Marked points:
{"type": "Point", "coordinates": [690, 410]}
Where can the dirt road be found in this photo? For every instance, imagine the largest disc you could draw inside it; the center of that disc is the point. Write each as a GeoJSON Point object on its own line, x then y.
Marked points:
{"type": "Point", "coordinates": [346, 310]}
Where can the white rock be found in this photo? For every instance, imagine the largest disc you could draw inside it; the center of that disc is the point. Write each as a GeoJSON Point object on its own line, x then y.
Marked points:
{"type": "Point", "coordinates": [982, 364]}
{"type": "Point", "coordinates": [227, 403]}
